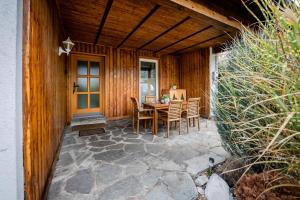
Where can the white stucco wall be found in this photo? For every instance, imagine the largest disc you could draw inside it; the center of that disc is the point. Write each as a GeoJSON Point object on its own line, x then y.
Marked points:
{"type": "Point", "coordinates": [213, 71]}
{"type": "Point", "coordinates": [11, 163]}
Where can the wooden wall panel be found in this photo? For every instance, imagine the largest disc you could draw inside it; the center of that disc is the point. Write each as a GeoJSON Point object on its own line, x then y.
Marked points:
{"type": "Point", "coordinates": [169, 72]}
{"type": "Point", "coordinates": [121, 80]}
{"type": "Point", "coordinates": [122, 75]}
{"type": "Point", "coordinates": [44, 93]}
{"type": "Point", "coordinates": [194, 76]}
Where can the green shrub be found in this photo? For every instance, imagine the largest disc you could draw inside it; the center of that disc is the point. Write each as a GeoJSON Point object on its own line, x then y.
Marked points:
{"type": "Point", "coordinates": [258, 100]}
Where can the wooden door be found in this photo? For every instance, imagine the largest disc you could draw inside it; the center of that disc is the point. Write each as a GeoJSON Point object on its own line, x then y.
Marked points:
{"type": "Point", "coordinates": [86, 84]}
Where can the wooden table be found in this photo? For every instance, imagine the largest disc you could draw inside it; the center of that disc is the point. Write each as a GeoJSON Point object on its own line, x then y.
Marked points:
{"type": "Point", "coordinates": [156, 107]}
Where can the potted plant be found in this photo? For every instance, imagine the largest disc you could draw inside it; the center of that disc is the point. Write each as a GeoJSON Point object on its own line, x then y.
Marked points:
{"type": "Point", "coordinates": [165, 99]}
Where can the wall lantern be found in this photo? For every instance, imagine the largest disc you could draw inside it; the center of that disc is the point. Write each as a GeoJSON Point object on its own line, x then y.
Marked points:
{"type": "Point", "coordinates": [67, 45]}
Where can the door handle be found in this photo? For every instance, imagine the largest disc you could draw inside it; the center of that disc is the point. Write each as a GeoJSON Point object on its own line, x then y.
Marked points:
{"type": "Point", "coordinates": [75, 86]}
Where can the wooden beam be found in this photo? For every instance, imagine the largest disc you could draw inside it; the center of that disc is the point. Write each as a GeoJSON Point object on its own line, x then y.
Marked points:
{"type": "Point", "coordinates": [166, 31]}
{"type": "Point", "coordinates": [103, 19]}
{"type": "Point", "coordinates": [194, 45]}
{"type": "Point", "coordinates": [156, 7]}
{"type": "Point", "coordinates": [191, 35]}
{"type": "Point", "coordinates": [204, 10]}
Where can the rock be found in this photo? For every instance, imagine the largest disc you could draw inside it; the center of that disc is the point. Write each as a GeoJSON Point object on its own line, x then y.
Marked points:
{"type": "Point", "coordinates": [173, 186]}
{"type": "Point", "coordinates": [82, 182]}
{"type": "Point", "coordinates": [201, 180]}
{"type": "Point", "coordinates": [136, 168]}
{"type": "Point", "coordinates": [133, 140]}
{"type": "Point", "coordinates": [151, 177]}
{"type": "Point", "coordinates": [65, 159]}
{"type": "Point", "coordinates": [200, 190]}
{"type": "Point", "coordinates": [69, 140]}
{"type": "Point", "coordinates": [155, 148]}
{"type": "Point", "coordinates": [115, 146]}
{"type": "Point", "coordinates": [130, 148]}
{"type": "Point", "coordinates": [216, 188]}
{"type": "Point", "coordinates": [132, 135]}
{"type": "Point", "coordinates": [54, 190]}
{"type": "Point", "coordinates": [105, 137]}
{"type": "Point", "coordinates": [147, 137]}
{"type": "Point", "coordinates": [72, 147]}
{"type": "Point", "coordinates": [110, 155]}
{"type": "Point", "coordinates": [81, 156]}
{"type": "Point", "coordinates": [101, 143]}
{"type": "Point", "coordinates": [133, 157]}
{"type": "Point", "coordinates": [168, 165]}
{"type": "Point", "coordinates": [107, 173]}
{"type": "Point", "coordinates": [124, 188]}
{"type": "Point", "coordinates": [180, 154]}
{"type": "Point", "coordinates": [117, 139]}
{"type": "Point", "coordinates": [159, 192]}
{"type": "Point", "coordinates": [201, 163]}
{"type": "Point", "coordinates": [117, 132]}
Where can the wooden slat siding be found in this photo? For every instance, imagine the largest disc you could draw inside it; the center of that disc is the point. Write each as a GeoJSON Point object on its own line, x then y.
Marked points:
{"type": "Point", "coordinates": [81, 20]}
{"type": "Point", "coordinates": [122, 75]}
{"type": "Point", "coordinates": [194, 69]}
{"type": "Point", "coordinates": [44, 93]}
{"type": "Point", "coordinates": [168, 72]}
{"type": "Point", "coordinates": [83, 47]}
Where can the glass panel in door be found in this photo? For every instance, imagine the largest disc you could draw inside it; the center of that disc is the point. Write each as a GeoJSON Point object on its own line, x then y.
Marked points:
{"type": "Point", "coordinates": [88, 86]}
{"type": "Point", "coordinates": [148, 79]}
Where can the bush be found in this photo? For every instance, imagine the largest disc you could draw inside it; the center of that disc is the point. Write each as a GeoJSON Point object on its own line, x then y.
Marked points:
{"type": "Point", "coordinates": [258, 100]}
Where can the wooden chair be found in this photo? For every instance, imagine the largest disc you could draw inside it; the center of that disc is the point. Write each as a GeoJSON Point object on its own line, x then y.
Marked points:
{"type": "Point", "coordinates": [172, 115]}
{"type": "Point", "coordinates": [140, 114]}
{"type": "Point", "coordinates": [150, 99]}
{"type": "Point", "coordinates": [192, 112]}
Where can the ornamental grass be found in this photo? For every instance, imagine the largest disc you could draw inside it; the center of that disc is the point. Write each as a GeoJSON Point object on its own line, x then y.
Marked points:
{"type": "Point", "coordinates": [258, 99]}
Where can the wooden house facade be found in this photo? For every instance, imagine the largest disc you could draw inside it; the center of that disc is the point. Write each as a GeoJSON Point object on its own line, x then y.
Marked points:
{"type": "Point", "coordinates": [113, 35]}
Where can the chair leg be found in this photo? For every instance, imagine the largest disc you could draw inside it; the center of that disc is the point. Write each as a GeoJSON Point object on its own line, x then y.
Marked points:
{"type": "Point", "coordinates": [145, 124]}
{"type": "Point", "coordinates": [175, 124]}
{"type": "Point", "coordinates": [194, 124]}
{"type": "Point", "coordinates": [133, 122]}
{"type": "Point", "coordinates": [138, 126]}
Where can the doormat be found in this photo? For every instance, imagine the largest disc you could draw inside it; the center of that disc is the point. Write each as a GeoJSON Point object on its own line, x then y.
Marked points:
{"type": "Point", "coordinates": [91, 132]}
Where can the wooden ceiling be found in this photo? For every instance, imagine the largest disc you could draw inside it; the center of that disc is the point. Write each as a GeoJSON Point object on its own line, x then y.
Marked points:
{"type": "Point", "coordinates": [158, 25]}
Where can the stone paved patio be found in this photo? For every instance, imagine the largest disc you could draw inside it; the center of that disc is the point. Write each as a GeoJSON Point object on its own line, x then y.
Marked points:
{"type": "Point", "coordinates": [120, 165]}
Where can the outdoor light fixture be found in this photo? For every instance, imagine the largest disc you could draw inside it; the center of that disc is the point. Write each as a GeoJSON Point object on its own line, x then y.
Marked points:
{"type": "Point", "coordinates": [67, 45]}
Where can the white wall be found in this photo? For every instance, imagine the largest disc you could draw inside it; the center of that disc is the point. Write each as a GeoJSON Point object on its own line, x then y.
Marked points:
{"type": "Point", "coordinates": [213, 72]}
{"type": "Point", "coordinates": [11, 162]}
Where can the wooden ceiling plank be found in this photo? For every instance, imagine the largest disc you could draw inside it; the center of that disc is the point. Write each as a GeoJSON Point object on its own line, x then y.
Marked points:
{"type": "Point", "coordinates": [194, 45]}
{"type": "Point", "coordinates": [204, 10]}
{"type": "Point", "coordinates": [154, 9]}
{"type": "Point", "coordinates": [106, 11]}
{"type": "Point", "coordinates": [191, 35]}
{"type": "Point", "coordinates": [166, 31]}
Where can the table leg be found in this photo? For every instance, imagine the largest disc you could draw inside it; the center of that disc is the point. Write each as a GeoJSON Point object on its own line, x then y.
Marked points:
{"type": "Point", "coordinates": [155, 121]}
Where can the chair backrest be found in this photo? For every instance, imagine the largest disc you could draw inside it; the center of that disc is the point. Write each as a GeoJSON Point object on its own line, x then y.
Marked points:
{"type": "Point", "coordinates": [193, 107]}
{"type": "Point", "coordinates": [150, 99]}
{"type": "Point", "coordinates": [175, 109]}
{"type": "Point", "coordinates": [135, 105]}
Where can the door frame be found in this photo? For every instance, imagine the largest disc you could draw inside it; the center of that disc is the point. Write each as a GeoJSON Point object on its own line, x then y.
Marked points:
{"type": "Point", "coordinates": [72, 77]}
{"type": "Point", "coordinates": [157, 75]}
